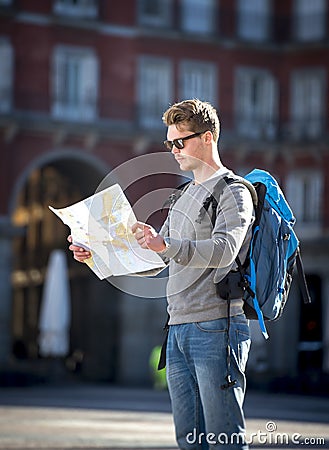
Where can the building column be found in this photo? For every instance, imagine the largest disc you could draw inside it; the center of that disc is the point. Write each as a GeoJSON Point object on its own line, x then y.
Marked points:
{"type": "Point", "coordinates": [7, 232]}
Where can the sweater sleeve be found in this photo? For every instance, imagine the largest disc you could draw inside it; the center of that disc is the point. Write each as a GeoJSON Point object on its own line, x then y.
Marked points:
{"type": "Point", "coordinates": [234, 217]}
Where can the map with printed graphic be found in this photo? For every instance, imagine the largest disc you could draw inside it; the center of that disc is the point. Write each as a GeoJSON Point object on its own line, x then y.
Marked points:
{"type": "Point", "coordinates": [102, 224]}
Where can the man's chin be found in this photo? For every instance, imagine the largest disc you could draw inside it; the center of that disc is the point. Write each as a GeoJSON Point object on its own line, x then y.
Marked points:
{"type": "Point", "coordinates": [183, 165]}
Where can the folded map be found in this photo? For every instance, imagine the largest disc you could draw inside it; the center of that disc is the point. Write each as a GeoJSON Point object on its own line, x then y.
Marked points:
{"type": "Point", "coordinates": [102, 224]}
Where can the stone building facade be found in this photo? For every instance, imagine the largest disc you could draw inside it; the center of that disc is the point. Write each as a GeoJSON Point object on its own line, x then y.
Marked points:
{"type": "Point", "coordinates": [83, 85]}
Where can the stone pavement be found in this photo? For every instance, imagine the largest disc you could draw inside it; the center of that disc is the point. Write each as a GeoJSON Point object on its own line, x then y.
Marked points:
{"type": "Point", "coordinates": [90, 417]}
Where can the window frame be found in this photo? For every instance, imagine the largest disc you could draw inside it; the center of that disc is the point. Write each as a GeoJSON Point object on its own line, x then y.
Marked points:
{"type": "Point", "coordinates": [202, 69]}
{"type": "Point", "coordinates": [304, 29]}
{"type": "Point", "coordinates": [303, 100]}
{"type": "Point", "coordinates": [84, 109]}
{"type": "Point", "coordinates": [190, 20]}
{"type": "Point", "coordinates": [164, 19]}
{"type": "Point", "coordinates": [250, 122]}
{"type": "Point", "coordinates": [304, 192]}
{"type": "Point", "coordinates": [254, 30]}
{"type": "Point", "coordinates": [159, 71]}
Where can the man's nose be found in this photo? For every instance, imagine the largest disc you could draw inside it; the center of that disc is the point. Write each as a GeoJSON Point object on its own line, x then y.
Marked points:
{"type": "Point", "coordinates": [175, 150]}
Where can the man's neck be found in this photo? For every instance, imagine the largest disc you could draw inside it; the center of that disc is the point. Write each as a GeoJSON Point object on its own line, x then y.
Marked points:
{"type": "Point", "coordinates": [203, 173]}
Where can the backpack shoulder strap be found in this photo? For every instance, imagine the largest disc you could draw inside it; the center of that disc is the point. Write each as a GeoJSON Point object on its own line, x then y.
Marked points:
{"type": "Point", "coordinates": [213, 198]}
{"type": "Point", "coordinates": [302, 280]}
{"type": "Point", "coordinates": [218, 190]}
{"type": "Point", "coordinates": [175, 195]}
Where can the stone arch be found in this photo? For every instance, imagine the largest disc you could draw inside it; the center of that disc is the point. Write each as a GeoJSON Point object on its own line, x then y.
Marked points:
{"type": "Point", "coordinates": [91, 167]}
{"type": "Point", "coordinates": [94, 314]}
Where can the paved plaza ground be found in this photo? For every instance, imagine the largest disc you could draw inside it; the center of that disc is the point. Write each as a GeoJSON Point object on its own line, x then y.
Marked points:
{"type": "Point", "coordinates": [107, 417]}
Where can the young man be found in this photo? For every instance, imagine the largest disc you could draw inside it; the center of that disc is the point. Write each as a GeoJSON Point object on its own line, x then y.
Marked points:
{"type": "Point", "coordinates": [207, 404]}
{"type": "Point", "coordinates": [206, 414]}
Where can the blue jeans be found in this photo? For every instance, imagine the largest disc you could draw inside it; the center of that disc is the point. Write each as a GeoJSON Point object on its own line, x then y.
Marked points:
{"type": "Point", "coordinates": [205, 415]}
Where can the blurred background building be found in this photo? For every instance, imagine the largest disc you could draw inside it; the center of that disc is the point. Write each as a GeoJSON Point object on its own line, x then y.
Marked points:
{"type": "Point", "coordinates": [83, 85]}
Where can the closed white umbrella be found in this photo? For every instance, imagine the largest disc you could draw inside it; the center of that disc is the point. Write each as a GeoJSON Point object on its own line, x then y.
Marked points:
{"type": "Point", "coordinates": [55, 312]}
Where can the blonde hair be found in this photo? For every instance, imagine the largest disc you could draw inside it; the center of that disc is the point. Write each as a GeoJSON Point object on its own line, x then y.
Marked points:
{"type": "Point", "coordinates": [194, 114]}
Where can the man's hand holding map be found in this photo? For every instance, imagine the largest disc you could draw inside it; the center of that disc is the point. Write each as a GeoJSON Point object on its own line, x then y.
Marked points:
{"type": "Point", "coordinates": [102, 224]}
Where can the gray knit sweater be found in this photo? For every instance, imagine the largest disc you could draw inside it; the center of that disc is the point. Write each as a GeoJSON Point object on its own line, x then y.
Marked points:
{"type": "Point", "coordinates": [200, 254]}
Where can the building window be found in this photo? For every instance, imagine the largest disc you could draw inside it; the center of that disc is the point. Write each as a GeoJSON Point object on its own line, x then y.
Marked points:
{"type": "Point", "coordinates": [76, 8]}
{"type": "Point", "coordinates": [198, 16]}
{"type": "Point", "coordinates": [155, 90]}
{"type": "Point", "coordinates": [307, 103]}
{"type": "Point", "coordinates": [198, 80]}
{"type": "Point", "coordinates": [75, 83]}
{"type": "Point", "coordinates": [6, 75]}
{"type": "Point", "coordinates": [304, 192]}
{"type": "Point", "coordinates": [155, 13]}
{"type": "Point", "coordinates": [310, 19]}
{"type": "Point", "coordinates": [254, 19]}
{"type": "Point", "coordinates": [256, 103]}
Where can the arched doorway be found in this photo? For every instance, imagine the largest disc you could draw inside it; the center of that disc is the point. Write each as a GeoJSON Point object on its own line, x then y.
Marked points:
{"type": "Point", "coordinates": [59, 181]}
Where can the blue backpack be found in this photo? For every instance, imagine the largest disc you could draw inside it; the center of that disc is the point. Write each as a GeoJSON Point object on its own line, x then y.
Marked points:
{"type": "Point", "coordinates": [264, 279]}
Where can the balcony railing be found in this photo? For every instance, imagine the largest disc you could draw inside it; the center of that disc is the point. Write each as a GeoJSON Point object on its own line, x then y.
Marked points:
{"type": "Point", "coordinates": [271, 129]}
{"type": "Point", "coordinates": [141, 119]}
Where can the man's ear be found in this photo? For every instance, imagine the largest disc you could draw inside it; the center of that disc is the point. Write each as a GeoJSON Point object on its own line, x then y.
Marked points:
{"type": "Point", "coordinates": [208, 137]}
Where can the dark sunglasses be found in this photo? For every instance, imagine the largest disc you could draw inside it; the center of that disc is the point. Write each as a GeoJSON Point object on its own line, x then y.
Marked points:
{"type": "Point", "coordinates": [179, 143]}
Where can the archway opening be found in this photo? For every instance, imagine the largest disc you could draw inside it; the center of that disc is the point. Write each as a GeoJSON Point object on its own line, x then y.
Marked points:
{"type": "Point", "coordinates": [94, 304]}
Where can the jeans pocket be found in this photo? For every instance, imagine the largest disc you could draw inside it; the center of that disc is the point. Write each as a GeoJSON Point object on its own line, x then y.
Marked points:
{"type": "Point", "coordinates": [212, 326]}
{"type": "Point", "coordinates": [244, 343]}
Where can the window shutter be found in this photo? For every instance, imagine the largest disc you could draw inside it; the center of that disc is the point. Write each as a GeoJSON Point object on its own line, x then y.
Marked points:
{"type": "Point", "coordinates": [6, 76]}
{"type": "Point", "coordinates": [294, 194]}
{"type": "Point", "coordinates": [269, 104]}
{"type": "Point", "coordinates": [315, 187]}
{"type": "Point", "coordinates": [88, 86]}
{"type": "Point", "coordinates": [297, 105]}
{"type": "Point", "coordinates": [244, 108]}
{"type": "Point", "coordinates": [58, 81]}
{"type": "Point", "coordinates": [314, 97]}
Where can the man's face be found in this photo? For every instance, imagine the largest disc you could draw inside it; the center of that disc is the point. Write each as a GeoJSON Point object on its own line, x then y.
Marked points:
{"type": "Point", "coordinates": [191, 156]}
